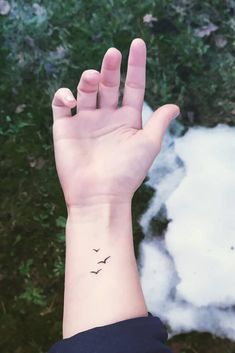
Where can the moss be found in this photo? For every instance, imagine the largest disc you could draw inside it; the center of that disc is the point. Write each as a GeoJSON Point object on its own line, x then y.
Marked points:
{"type": "Point", "coordinates": [159, 222]}
{"type": "Point", "coordinates": [140, 203]}
{"type": "Point", "coordinates": [198, 342]}
{"type": "Point", "coordinates": [47, 46]}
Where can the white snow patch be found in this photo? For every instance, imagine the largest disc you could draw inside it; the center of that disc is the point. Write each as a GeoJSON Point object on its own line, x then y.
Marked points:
{"type": "Point", "coordinates": [188, 278]}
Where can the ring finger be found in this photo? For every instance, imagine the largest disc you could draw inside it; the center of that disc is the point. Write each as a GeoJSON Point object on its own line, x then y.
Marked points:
{"type": "Point", "coordinates": [110, 79]}
{"type": "Point", "coordinates": [87, 90]}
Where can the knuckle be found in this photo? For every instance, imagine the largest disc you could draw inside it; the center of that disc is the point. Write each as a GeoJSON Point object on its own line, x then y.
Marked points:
{"type": "Point", "coordinates": [109, 83]}
{"type": "Point", "coordinates": [135, 85]}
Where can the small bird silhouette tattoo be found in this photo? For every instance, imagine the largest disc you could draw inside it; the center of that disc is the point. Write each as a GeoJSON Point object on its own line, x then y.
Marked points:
{"type": "Point", "coordinates": [96, 250]}
{"type": "Point", "coordinates": [96, 272]}
{"type": "Point", "coordinates": [103, 262]}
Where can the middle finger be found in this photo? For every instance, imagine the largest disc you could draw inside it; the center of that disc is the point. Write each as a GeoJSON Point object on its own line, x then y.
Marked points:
{"type": "Point", "coordinates": [110, 79]}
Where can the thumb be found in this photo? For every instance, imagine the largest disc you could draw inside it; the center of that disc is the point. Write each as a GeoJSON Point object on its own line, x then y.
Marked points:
{"type": "Point", "coordinates": [158, 123]}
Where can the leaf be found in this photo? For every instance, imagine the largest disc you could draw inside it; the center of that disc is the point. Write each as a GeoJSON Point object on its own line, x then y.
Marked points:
{"type": "Point", "coordinates": [60, 52]}
{"type": "Point", "coordinates": [148, 19]}
{"type": "Point", "coordinates": [206, 30]}
{"type": "Point", "coordinates": [61, 222]}
{"type": "Point", "coordinates": [40, 163]}
{"type": "Point", "coordinates": [8, 119]}
{"type": "Point", "coordinates": [38, 9]}
{"type": "Point", "coordinates": [20, 108]}
{"type": "Point", "coordinates": [220, 41]}
{"type": "Point", "coordinates": [37, 163]}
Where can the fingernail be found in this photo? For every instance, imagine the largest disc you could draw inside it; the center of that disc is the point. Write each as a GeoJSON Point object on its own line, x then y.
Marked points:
{"type": "Point", "coordinates": [92, 76]}
{"type": "Point", "coordinates": [176, 115]}
{"type": "Point", "coordinates": [70, 99]}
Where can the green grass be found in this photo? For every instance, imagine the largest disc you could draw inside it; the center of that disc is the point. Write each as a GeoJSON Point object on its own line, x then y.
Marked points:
{"type": "Point", "coordinates": [46, 47]}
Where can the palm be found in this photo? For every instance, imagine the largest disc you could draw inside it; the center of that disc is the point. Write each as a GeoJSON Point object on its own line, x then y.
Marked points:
{"type": "Point", "coordinates": [103, 151]}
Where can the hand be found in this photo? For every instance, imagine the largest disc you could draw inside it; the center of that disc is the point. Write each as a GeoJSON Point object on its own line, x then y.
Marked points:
{"type": "Point", "coordinates": [102, 153]}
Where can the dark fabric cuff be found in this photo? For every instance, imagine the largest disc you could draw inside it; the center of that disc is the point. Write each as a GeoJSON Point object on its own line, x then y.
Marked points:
{"type": "Point", "coordinates": [137, 335]}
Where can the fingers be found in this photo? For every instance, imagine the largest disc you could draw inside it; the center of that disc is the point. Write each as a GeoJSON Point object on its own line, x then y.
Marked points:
{"type": "Point", "coordinates": [110, 79]}
{"type": "Point", "coordinates": [158, 123]}
{"type": "Point", "coordinates": [62, 103]}
{"type": "Point", "coordinates": [87, 90]}
{"type": "Point", "coordinates": [135, 78]}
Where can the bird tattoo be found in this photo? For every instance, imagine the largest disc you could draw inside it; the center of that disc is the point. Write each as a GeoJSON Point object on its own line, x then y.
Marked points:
{"type": "Point", "coordinates": [96, 272]}
{"type": "Point", "coordinates": [96, 250]}
{"type": "Point", "coordinates": [103, 262]}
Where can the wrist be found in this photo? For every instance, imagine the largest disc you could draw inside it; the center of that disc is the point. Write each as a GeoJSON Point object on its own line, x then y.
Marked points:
{"type": "Point", "coordinates": [102, 215]}
{"type": "Point", "coordinates": [96, 200]}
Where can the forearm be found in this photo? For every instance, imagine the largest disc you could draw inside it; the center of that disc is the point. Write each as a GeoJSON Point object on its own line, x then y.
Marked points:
{"type": "Point", "coordinates": [114, 293]}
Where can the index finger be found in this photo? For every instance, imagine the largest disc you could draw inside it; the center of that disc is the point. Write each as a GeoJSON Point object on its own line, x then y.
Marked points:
{"type": "Point", "coordinates": [135, 79]}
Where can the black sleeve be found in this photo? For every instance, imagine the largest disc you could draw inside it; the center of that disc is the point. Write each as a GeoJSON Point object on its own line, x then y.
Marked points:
{"type": "Point", "coordinates": [137, 335]}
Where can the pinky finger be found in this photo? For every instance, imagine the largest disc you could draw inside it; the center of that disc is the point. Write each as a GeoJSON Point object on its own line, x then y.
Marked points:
{"type": "Point", "coordinates": [62, 103]}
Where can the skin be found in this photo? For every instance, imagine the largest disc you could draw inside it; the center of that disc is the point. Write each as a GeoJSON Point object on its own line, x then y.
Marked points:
{"type": "Point", "coordinates": [103, 151]}
{"type": "Point", "coordinates": [102, 156]}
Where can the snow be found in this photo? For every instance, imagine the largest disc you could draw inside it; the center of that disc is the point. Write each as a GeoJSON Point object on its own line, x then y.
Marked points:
{"type": "Point", "coordinates": [187, 276]}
